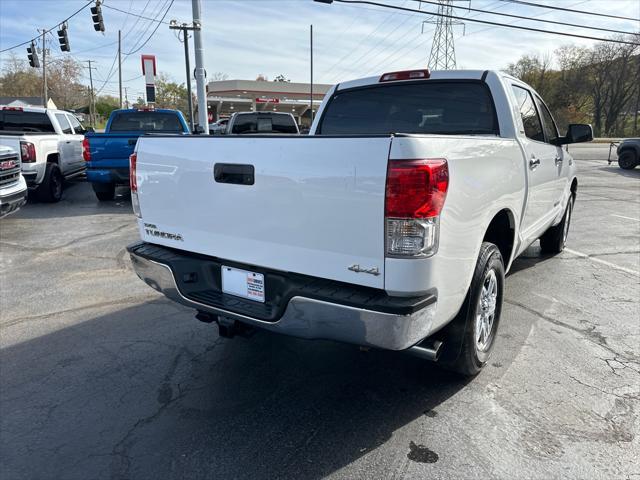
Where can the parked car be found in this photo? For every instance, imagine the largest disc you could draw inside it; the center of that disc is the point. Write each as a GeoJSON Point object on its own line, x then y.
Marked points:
{"type": "Point", "coordinates": [50, 146]}
{"type": "Point", "coordinates": [629, 153]}
{"type": "Point", "coordinates": [242, 123]}
{"type": "Point", "coordinates": [107, 154]}
{"type": "Point", "coordinates": [219, 127]}
{"type": "Point", "coordinates": [391, 225]}
{"type": "Point", "coordinates": [13, 188]}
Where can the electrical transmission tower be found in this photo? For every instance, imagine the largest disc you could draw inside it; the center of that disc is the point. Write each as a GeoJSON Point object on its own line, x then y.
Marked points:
{"type": "Point", "coordinates": [443, 50]}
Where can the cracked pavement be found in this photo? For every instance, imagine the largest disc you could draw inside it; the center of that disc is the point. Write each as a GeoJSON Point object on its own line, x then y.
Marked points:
{"type": "Point", "coordinates": [102, 378]}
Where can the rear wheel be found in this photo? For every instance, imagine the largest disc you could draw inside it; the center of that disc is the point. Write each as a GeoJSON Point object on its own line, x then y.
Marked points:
{"type": "Point", "coordinates": [50, 190]}
{"type": "Point", "coordinates": [627, 160]}
{"type": "Point", "coordinates": [480, 313]}
{"type": "Point", "coordinates": [104, 191]}
{"type": "Point", "coordinates": [554, 239]}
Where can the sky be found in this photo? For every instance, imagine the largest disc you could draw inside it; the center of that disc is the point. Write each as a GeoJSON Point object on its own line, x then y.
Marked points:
{"type": "Point", "coordinates": [244, 38]}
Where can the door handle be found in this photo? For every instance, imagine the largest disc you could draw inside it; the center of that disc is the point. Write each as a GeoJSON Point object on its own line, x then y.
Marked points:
{"type": "Point", "coordinates": [533, 163]}
{"type": "Point", "coordinates": [234, 173]}
{"type": "Point", "coordinates": [558, 161]}
{"type": "Point", "coordinates": [68, 141]}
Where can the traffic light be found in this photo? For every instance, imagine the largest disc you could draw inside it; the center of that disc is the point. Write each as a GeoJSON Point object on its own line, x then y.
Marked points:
{"type": "Point", "coordinates": [96, 15]}
{"type": "Point", "coordinates": [33, 56]}
{"type": "Point", "coordinates": [63, 38]}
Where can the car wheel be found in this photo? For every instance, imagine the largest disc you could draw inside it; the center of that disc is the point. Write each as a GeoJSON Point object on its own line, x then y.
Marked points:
{"type": "Point", "coordinates": [104, 191]}
{"type": "Point", "coordinates": [554, 239]}
{"type": "Point", "coordinates": [479, 315]}
{"type": "Point", "coordinates": [50, 190]}
{"type": "Point", "coordinates": [627, 160]}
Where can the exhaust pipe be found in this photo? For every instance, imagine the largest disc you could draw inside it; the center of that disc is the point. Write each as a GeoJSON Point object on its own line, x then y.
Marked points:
{"type": "Point", "coordinates": [426, 350]}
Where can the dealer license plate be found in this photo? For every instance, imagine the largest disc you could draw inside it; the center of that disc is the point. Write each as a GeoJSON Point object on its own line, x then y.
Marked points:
{"type": "Point", "coordinates": [243, 283]}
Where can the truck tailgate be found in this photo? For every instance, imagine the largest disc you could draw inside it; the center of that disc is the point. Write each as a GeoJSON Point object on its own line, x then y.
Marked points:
{"type": "Point", "coordinates": [107, 148]}
{"type": "Point", "coordinates": [316, 204]}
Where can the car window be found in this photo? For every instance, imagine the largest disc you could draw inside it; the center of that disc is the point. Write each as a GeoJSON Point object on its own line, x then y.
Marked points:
{"type": "Point", "coordinates": [146, 122]}
{"type": "Point", "coordinates": [263, 123]}
{"type": "Point", "coordinates": [550, 129]}
{"type": "Point", "coordinates": [529, 114]}
{"type": "Point", "coordinates": [428, 107]}
{"type": "Point", "coordinates": [77, 126]}
{"type": "Point", "coordinates": [64, 123]}
{"type": "Point", "coordinates": [21, 121]}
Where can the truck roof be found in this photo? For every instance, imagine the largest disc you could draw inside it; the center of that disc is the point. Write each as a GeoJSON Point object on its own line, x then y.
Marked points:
{"type": "Point", "coordinates": [160, 110]}
{"type": "Point", "coordinates": [434, 75]}
{"type": "Point", "coordinates": [34, 109]}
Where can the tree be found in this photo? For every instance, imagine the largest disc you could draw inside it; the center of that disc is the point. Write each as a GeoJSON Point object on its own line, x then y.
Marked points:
{"type": "Point", "coordinates": [218, 76]}
{"type": "Point", "coordinates": [17, 79]}
{"type": "Point", "coordinates": [262, 78]}
{"type": "Point", "coordinates": [105, 104]}
{"type": "Point", "coordinates": [170, 94]}
{"type": "Point", "coordinates": [281, 78]}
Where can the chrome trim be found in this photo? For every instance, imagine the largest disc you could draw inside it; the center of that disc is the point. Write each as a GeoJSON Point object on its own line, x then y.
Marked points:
{"type": "Point", "coordinates": [309, 318]}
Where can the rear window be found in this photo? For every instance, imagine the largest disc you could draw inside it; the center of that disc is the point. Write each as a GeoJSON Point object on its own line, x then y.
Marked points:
{"type": "Point", "coordinates": [426, 107]}
{"type": "Point", "coordinates": [20, 121]}
{"type": "Point", "coordinates": [146, 122]}
{"type": "Point", "coordinates": [257, 123]}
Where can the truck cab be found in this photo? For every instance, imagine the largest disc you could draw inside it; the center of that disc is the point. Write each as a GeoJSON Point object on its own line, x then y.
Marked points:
{"type": "Point", "coordinates": [107, 154]}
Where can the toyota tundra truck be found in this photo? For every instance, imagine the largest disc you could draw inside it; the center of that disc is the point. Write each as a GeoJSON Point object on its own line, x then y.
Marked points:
{"type": "Point", "coordinates": [391, 225]}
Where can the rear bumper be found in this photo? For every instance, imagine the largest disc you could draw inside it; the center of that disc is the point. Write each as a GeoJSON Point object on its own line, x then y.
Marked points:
{"type": "Point", "coordinates": [301, 316]}
{"type": "Point", "coordinates": [118, 176]}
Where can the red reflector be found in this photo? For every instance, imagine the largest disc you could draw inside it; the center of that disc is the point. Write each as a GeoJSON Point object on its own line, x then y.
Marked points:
{"type": "Point", "coordinates": [405, 75]}
{"type": "Point", "coordinates": [86, 153]}
{"type": "Point", "coordinates": [27, 152]}
{"type": "Point", "coordinates": [13, 109]}
{"type": "Point", "coordinates": [416, 188]}
{"type": "Point", "coordinates": [133, 182]}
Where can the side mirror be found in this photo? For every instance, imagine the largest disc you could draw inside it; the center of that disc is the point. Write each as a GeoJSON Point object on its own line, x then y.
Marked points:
{"type": "Point", "coordinates": [90, 129]}
{"type": "Point", "coordinates": [577, 133]}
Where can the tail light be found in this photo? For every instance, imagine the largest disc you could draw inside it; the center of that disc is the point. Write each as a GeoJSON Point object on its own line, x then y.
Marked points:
{"type": "Point", "coordinates": [133, 183]}
{"type": "Point", "coordinates": [27, 152]}
{"type": "Point", "coordinates": [405, 75]}
{"type": "Point", "coordinates": [86, 153]}
{"type": "Point", "coordinates": [415, 194]}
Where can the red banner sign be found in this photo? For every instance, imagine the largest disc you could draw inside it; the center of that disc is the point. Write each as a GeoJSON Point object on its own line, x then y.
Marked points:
{"type": "Point", "coordinates": [267, 100]}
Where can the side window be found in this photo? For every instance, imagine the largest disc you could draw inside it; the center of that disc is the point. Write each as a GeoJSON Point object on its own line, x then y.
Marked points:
{"type": "Point", "coordinates": [64, 123]}
{"type": "Point", "coordinates": [529, 114]}
{"type": "Point", "coordinates": [550, 129]}
{"type": "Point", "coordinates": [77, 126]}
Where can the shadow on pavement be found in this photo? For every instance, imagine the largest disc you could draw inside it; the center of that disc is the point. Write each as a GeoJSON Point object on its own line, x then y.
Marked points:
{"type": "Point", "coordinates": [149, 392]}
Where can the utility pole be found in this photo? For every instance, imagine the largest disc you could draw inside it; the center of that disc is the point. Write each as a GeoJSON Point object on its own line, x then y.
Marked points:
{"type": "Point", "coordinates": [120, 67]}
{"type": "Point", "coordinates": [92, 105]}
{"type": "Point", "coordinates": [126, 98]}
{"type": "Point", "coordinates": [185, 35]}
{"type": "Point", "coordinates": [45, 96]}
{"type": "Point", "coordinates": [311, 83]}
{"type": "Point", "coordinates": [201, 76]}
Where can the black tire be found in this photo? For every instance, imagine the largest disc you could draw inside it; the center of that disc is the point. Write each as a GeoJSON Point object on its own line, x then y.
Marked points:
{"type": "Point", "coordinates": [50, 190]}
{"type": "Point", "coordinates": [478, 331]}
{"type": "Point", "coordinates": [627, 160]}
{"type": "Point", "coordinates": [104, 191]}
{"type": "Point", "coordinates": [554, 239]}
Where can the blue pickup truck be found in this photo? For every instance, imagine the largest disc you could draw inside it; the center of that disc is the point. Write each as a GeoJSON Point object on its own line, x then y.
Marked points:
{"type": "Point", "coordinates": [107, 154]}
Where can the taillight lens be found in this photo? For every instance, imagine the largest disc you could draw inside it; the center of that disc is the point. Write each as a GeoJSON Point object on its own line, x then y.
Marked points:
{"type": "Point", "coordinates": [133, 183]}
{"type": "Point", "coordinates": [27, 152]}
{"type": "Point", "coordinates": [86, 153]}
{"type": "Point", "coordinates": [415, 194]}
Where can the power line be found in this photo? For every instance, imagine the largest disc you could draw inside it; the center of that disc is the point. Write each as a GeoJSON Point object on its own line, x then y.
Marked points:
{"type": "Point", "coordinates": [48, 30]}
{"type": "Point", "coordinates": [551, 7]}
{"type": "Point", "coordinates": [154, 30]}
{"type": "Point", "coordinates": [487, 22]}
{"type": "Point", "coordinates": [522, 17]}
{"type": "Point", "coordinates": [134, 14]}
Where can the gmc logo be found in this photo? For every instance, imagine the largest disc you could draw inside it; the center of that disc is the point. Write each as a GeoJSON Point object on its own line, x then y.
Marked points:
{"type": "Point", "coordinates": [6, 165]}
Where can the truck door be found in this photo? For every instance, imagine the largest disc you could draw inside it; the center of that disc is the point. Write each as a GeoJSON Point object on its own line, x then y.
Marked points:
{"type": "Point", "coordinates": [65, 144]}
{"type": "Point", "coordinates": [562, 159]}
{"type": "Point", "coordinates": [76, 142]}
{"type": "Point", "coordinates": [541, 167]}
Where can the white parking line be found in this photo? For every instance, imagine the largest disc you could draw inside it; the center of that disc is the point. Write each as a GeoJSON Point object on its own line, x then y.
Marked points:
{"type": "Point", "coordinates": [603, 262]}
{"type": "Point", "coordinates": [622, 216]}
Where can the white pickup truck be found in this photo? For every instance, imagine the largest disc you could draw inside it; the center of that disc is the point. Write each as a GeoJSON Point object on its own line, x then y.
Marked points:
{"type": "Point", "coordinates": [391, 225]}
{"type": "Point", "coordinates": [50, 146]}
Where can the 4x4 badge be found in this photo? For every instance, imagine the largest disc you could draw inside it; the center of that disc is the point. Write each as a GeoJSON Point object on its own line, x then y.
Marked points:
{"type": "Point", "coordinates": [358, 269]}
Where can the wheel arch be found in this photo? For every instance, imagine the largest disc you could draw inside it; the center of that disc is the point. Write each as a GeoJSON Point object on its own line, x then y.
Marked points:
{"type": "Point", "coordinates": [53, 157]}
{"type": "Point", "coordinates": [501, 231]}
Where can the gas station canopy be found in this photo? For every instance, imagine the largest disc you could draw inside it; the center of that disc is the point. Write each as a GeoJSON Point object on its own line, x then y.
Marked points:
{"type": "Point", "coordinates": [228, 96]}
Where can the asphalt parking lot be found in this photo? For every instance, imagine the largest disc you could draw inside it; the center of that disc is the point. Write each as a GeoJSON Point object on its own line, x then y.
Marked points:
{"type": "Point", "coordinates": [101, 377]}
